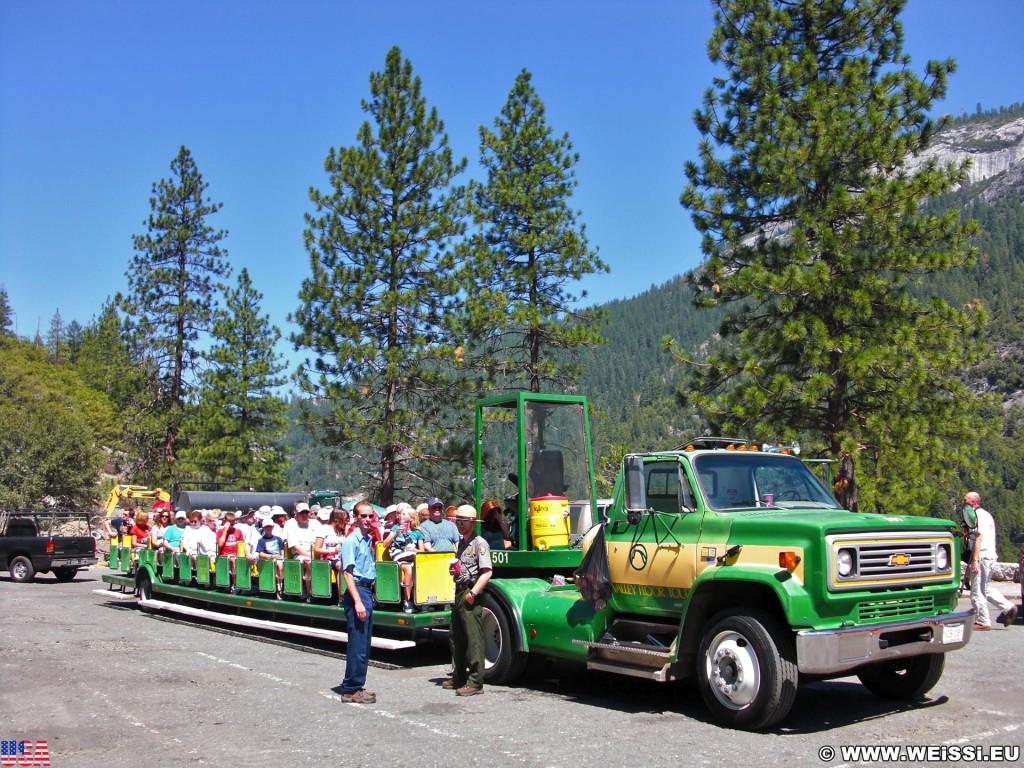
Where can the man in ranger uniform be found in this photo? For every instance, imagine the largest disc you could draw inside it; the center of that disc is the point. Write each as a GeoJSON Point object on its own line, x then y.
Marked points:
{"type": "Point", "coordinates": [471, 570]}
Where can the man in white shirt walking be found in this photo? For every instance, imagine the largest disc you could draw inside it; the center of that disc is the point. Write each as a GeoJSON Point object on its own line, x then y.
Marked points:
{"type": "Point", "coordinates": [983, 557]}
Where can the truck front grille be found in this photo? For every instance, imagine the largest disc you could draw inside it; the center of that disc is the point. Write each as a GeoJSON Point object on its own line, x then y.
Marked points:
{"type": "Point", "coordinates": [896, 609]}
{"type": "Point", "coordinates": [893, 560]}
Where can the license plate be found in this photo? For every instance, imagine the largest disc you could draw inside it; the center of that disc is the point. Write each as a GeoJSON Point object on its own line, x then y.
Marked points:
{"type": "Point", "coordinates": [69, 563]}
{"type": "Point", "coordinates": [952, 633]}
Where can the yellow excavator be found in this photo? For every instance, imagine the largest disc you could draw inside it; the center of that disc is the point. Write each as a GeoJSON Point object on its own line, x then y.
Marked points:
{"type": "Point", "coordinates": [119, 492]}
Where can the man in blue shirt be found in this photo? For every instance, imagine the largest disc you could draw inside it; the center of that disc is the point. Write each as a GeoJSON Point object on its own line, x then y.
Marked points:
{"type": "Point", "coordinates": [360, 574]}
{"type": "Point", "coordinates": [441, 534]}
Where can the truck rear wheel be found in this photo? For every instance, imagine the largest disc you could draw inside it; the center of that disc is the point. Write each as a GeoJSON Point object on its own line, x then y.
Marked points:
{"type": "Point", "coordinates": [746, 670]}
{"type": "Point", "coordinates": [502, 663]}
{"type": "Point", "coordinates": [907, 678]}
{"type": "Point", "coordinates": [22, 570]}
{"type": "Point", "coordinates": [65, 574]}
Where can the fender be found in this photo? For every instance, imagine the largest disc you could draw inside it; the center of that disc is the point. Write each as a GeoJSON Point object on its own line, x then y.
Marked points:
{"type": "Point", "coordinates": [549, 618]}
{"type": "Point", "coordinates": [726, 586]}
{"type": "Point", "coordinates": [511, 594]}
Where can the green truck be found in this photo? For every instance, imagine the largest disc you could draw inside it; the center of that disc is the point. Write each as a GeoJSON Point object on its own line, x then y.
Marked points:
{"type": "Point", "coordinates": [725, 564]}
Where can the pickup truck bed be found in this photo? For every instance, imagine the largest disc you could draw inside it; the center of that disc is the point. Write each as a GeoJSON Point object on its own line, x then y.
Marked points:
{"type": "Point", "coordinates": [33, 542]}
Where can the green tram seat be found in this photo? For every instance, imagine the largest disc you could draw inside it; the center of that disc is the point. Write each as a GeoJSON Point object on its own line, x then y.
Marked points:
{"type": "Point", "coordinates": [320, 578]}
{"type": "Point", "coordinates": [293, 578]}
{"type": "Point", "coordinates": [167, 571]}
{"type": "Point", "coordinates": [243, 574]}
{"type": "Point", "coordinates": [203, 570]}
{"type": "Point", "coordinates": [125, 559]}
{"type": "Point", "coordinates": [388, 588]}
{"type": "Point", "coordinates": [222, 574]}
{"type": "Point", "coordinates": [267, 581]}
{"type": "Point", "coordinates": [184, 568]}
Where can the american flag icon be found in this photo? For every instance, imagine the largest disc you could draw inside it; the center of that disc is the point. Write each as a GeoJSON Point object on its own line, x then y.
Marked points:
{"type": "Point", "coordinates": [24, 753]}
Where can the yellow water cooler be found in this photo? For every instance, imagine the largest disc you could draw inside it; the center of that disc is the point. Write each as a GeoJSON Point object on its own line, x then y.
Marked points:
{"type": "Point", "coordinates": [549, 522]}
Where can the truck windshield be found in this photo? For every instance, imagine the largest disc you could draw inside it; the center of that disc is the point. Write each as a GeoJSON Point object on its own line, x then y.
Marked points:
{"type": "Point", "coordinates": [731, 481]}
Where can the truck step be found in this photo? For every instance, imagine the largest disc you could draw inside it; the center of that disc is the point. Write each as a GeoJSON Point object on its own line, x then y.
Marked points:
{"type": "Point", "coordinates": [640, 649]}
{"type": "Point", "coordinates": [659, 674]}
{"type": "Point", "coordinates": [651, 662]}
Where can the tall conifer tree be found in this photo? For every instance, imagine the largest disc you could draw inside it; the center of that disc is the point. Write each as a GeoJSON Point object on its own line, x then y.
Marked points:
{"type": "Point", "coordinates": [529, 251]}
{"type": "Point", "coordinates": [813, 233]}
{"type": "Point", "coordinates": [239, 423]}
{"type": "Point", "coordinates": [174, 283]}
{"type": "Point", "coordinates": [376, 311]}
{"type": "Point", "coordinates": [6, 314]}
{"type": "Point", "coordinates": [57, 347]}
{"type": "Point", "coordinates": [108, 362]}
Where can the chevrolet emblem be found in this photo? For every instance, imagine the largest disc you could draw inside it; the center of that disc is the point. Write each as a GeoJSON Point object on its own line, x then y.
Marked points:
{"type": "Point", "coordinates": [895, 561]}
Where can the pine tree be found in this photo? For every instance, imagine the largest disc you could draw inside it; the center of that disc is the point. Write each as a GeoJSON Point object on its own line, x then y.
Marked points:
{"type": "Point", "coordinates": [107, 362]}
{"type": "Point", "coordinates": [6, 315]}
{"type": "Point", "coordinates": [376, 311]}
{"type": "Point", "coordinates": [529, 250]}
{"type": "Point", "coordinates": [239, 423]}
{"type": "Point", "coordinates": [57, 348]}
{"type": "Point", "coordinates": [173, 283]}
{"type": "Point", "coordinates": [813, 234]}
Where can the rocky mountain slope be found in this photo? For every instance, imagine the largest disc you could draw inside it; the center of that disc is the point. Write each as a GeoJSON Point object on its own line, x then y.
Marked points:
{"type": "Point", "coordinates": [994, 146]}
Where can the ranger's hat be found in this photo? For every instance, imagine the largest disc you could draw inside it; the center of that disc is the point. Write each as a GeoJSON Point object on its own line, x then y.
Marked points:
{"type": "Point", "coordinates": [465, 512]}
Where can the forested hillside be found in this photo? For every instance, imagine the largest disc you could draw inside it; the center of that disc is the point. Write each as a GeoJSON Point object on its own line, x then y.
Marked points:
{"type": "Point", "coordinates": [632, 381]}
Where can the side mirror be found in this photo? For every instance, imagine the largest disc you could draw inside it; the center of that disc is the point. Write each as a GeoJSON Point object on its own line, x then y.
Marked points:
{"type": "Point", "coordinates": [513, 478]}
{"type": "Point", "coordinates": [636, 487]}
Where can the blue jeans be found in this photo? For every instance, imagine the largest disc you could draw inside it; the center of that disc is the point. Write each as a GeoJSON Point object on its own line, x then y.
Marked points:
{"type": "Point", "coordinates": [357, 654]}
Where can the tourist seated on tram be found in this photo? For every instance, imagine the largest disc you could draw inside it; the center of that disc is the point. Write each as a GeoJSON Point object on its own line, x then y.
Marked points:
{"type": "Point", "coordinates": [140, 531]}
{"type": "Point", "coordinates": [403, 541]}
{"type": "Point", "coordinates": [328, 542]}
{"type": "Point", "coordinates": [271, 547]}
{"type": "Point", "coordinates": [299, 535]}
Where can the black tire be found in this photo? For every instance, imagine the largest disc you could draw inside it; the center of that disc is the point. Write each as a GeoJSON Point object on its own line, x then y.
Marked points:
{"type": "Point", "coordinates": [908, 678]}
{"type": "Point", "coordinates": [502, 663]}
{"type": "Point", "coordinates": [144, 586]}
{"type": "Point", "coordinates": [22, 570]}
{"type": "Point", "coordinates": [65, 574]}
{"type": "Point", "coordinates": [746, 669]}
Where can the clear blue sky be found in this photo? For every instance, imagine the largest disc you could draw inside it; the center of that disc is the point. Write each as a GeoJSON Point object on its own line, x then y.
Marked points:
{"type": "Point", "coordinates": [97, 97]}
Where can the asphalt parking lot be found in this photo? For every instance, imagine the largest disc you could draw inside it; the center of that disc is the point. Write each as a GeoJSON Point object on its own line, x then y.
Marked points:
{"type": "Point", "coordinates": [106, 684]}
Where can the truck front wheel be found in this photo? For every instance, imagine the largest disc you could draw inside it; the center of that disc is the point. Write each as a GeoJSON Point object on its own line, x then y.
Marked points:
{"type": "Point", "coordinates": [502, 662]}
{"type": "Point", "coordinates": [746, 669]}
{"type": "Point", "coordinates": [22, 570]}
{"type": "Point", "coordinates": [908, 678]}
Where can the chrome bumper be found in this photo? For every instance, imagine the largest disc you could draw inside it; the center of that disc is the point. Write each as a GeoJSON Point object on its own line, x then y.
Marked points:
{"type": "Point", "coordinates": [837, 650]}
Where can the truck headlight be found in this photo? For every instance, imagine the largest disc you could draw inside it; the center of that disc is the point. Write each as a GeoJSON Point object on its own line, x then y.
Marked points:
{"type": "Point", "coordinates": [845, 561]}
{"type": "Point", "coordinates": [942, 558]}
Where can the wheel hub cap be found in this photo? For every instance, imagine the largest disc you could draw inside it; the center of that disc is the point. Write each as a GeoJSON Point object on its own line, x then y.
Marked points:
{"type": "Point", "coordinates": [733, 671]}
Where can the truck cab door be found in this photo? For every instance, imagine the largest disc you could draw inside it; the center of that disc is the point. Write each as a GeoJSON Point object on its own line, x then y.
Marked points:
{"type": "Point", "coordinates": [652, 554]}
